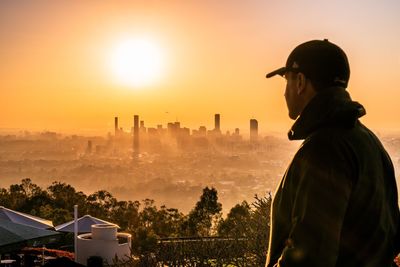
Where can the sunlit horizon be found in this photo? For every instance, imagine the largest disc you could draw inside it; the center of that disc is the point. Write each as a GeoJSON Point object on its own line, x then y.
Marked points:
{"type": "Point", "coordinates": [72, 67]}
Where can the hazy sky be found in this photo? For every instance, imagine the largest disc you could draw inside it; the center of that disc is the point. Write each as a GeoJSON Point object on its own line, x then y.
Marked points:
{"type": "Point", "coordinates": [56, 60]}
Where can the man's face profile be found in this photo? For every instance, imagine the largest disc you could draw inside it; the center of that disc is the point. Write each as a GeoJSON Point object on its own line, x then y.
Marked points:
{"type": "Point", "coordinates": [291, 95]}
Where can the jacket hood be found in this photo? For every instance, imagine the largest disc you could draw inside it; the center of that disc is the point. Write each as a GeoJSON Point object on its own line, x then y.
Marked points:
{"type": "Point", "coordinates": [332, 107]}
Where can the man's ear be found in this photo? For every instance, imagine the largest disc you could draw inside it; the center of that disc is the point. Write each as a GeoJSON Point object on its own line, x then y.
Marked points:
{"type": "Point", "coordinates": [300, 83]}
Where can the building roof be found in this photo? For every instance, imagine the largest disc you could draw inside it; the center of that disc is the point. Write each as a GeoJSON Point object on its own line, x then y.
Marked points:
{"type": "Point", "coordinates": [84, 224]}
{"type": "Point", "coordinates": [24, 219]}
{"type": "Point", "coordinates": [12, 233]}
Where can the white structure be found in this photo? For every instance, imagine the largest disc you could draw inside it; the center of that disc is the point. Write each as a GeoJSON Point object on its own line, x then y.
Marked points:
{"type": "Point", "coordinates": [25, 219]}
{"type": "Point", "coordinates": [104, 241]}
{"type": "Point", "coordinates": [84, 224]}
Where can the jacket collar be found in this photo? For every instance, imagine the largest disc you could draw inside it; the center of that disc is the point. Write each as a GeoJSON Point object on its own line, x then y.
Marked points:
{"type": "Point", "coordinates": [332, 107]}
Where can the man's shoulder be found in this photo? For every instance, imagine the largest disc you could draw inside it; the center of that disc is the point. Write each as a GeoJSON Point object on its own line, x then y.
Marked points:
{"type": "Point", "coordinates": [333, 136]}
{"type": "Point", "coordinates": [358, 140]}
{"type": "Point", "coordinates": [329, 143]}
{"type": "Point", "coordinates": [325, 137]}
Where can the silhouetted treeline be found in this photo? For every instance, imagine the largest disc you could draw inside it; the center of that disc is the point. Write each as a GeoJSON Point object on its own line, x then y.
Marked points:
{"type": "Point", "coordinates": [147, 223]}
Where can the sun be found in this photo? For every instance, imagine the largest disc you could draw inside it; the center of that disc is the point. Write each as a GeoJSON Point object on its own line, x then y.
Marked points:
{"type": "Point", "coordinates": [137, 62]}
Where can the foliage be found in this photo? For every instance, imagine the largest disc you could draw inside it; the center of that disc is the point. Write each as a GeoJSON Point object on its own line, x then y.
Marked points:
{"type": "Point", "coordinates": [203, 219]}
{"type": "Point", "coordinates": [64, 196]}
{"type": "Point", "coordinates": [144, 241]}
{"type": "Point", "coordinates": [162, 222]}
{"type": "Point", "coordinates": [242, 240]}
{"type": "Point", "coordinates": [126, 213]}
{"type": "Point", "coordinates": [236, 223]}
{"type": "Point", "coordinates": [259, 224]}
{"type": "Point", "coordinates": [163, 235]}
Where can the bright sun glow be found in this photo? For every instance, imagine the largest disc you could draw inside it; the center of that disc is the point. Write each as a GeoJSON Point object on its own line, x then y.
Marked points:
{"type": "Point", "coordinates": [136, 62]}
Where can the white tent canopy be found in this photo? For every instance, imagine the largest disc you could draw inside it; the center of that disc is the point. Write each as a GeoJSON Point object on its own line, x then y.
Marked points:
{"type": "Point", "coordinates": [24, 219]}
{"type": "Point", "coordinates": [14, 233]}
{"type": "Point", "coordinates": [84, 224]}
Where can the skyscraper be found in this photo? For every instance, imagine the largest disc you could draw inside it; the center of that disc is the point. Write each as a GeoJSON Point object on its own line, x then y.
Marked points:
{"type": "Point", "coordinates": [217, 122]}
{"type": "Point", "coordinates": [142, 129]}
{"type": "Point", "coordinates": [253, 130]}
{"type": "Point", "coordinates": [135, 135]}
{"type": "Point", "coordinates": [89, 147]}
{"type": "Point", "coordinates": [116, 125]}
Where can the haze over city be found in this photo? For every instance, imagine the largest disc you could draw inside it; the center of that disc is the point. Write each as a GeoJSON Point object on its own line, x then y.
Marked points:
{"type": "Point", "coordinates": [68, 68]}
{"type": "Point", "coordinates": [169, 163]}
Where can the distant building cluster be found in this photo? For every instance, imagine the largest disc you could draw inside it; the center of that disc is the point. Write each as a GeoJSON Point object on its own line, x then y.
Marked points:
{"type": "Point", "coordinates": [174, 128]}
{"type": "Point", "coordinates": [184, 137]}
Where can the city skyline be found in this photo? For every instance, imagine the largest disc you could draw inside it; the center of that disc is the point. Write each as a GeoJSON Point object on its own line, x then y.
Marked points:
{"type": "Point", "coordinates": [135, 128]}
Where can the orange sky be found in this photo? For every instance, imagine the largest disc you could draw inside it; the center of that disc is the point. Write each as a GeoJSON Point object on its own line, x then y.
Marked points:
{"type": "Point", "coordinates": [55, 71]}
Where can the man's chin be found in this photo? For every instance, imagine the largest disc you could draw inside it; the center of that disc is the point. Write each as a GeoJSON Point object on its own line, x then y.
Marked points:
{"type": "Point", "coordinates": [293, 116]}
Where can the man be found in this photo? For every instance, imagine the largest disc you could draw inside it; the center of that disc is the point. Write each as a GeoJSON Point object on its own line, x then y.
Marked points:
{"type": "Point", "coordinates": [337, 203]}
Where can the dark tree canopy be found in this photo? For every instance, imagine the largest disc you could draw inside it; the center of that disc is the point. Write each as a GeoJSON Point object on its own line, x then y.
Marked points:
{"type": "Point", "coordinates": [144, 220]}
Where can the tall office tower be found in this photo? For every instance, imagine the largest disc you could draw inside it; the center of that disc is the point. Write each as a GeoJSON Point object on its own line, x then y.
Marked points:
{"type": "Point", "coordinates": [202, 130]}
{"type": "Point", "coordinates": [253, 130]}
{"type": "Point", "coordinates": [116, 125]}
{"type": "Point", "coordinates": [142, 129]}
{"type": "Point", "coordinates": [217, 121]}
{"type": "Point", "coordinates": [135, 135]}
{"type": "Point", "coordinates": [173, 128]}
{"type": "Point", "coordinates": [89, 147]}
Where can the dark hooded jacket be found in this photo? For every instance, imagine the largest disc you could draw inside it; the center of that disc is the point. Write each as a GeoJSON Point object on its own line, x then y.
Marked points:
{"type": "Point", "coordinates": [337, 203]}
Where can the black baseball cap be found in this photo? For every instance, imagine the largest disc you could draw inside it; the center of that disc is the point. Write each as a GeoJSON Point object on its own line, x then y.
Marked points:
{"type": "Point", "coordinates": [320, 61]}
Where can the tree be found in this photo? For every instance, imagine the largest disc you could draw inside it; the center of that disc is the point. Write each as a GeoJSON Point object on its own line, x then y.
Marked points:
{"type": "Point", "coordinates": [251, 223]}
{"type": "Point", "coordinates": [30, 189]}
{"type": "Point", "coordinates": [148, 214]}
{"type": "Point", "coordinates": [26, 197]}
{"type": "Point", "coordinates": [202, 220]}
{"type": "Point", "coordinates": [154, 223]}
{"type": "Point", "coordinates": [236, 223]}
{"type": "Point", "coordinates": [17, 197]}
{"type": "Point", "coordinates": [126, 214]}
{"type": "Point", "coordinates": [167, 222]}
{"type": "Point", "coordinates": [5, 199]}
{"type": "Point", "coordinates": [56, 215]}
{"type": "Point", "coordinates": [64, 196]}
{"type": "Point", "coordinates": [259, 226]}
{"type": "Point", "coordinates": [34, 204]}
{"type": "Point", "coordinates": [163, 222]}
{"type": "Point", "coordinates": [100, 204]}
{"type": "Point", "coordinates": [144, 241]}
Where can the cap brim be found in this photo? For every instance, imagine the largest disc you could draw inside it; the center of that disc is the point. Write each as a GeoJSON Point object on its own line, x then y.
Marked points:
{"type": "Point", "coordinates": [280, 71]}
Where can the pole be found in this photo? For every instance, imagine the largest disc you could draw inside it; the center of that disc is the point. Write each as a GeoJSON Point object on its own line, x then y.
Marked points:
{"type": "Point", "coordinates": [76, 232]}
{"type": "Point", "coordinates": [43, 248]}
